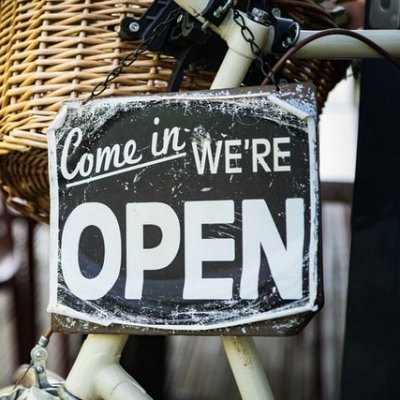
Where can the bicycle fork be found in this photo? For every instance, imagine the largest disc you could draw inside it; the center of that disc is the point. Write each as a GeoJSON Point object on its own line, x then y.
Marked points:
{"type": "Point", "coordinates": [96, 372]}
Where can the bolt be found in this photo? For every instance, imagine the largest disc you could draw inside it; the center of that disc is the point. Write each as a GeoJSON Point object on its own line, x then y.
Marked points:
{"type": "Point", "coordinates": [218, 12]}
{"type": "Point", "coordinates": [179, 19]}
{"type": "Point", "coordinates": [134, 27]}
{"type": "Point", "coordinates": [259, 15]}
{"type": "Point", "coordinates": [39, 354]}
{"type": "Point", "coordinates": [205, 25]}
{"type": "Point", "coordinates": [276, 12]}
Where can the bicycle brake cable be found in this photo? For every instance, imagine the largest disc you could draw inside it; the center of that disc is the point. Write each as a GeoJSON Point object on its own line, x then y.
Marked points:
{"type": "Point", "coordinates": [333, 31]}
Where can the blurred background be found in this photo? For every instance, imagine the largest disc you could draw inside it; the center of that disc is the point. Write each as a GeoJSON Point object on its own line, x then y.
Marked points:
{"type": "Point", "coordinates": [306, 366]}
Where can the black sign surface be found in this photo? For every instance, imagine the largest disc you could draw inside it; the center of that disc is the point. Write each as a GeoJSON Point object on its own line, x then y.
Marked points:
{"type": "Point", "coordinates": [186, 212]}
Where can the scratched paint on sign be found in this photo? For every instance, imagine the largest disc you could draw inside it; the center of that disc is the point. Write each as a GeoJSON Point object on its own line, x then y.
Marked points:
{"type": "Point", "coordinates": [189, 211]}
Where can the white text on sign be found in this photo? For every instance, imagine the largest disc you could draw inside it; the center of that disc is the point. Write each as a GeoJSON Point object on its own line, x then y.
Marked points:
{"type": "Point", "coordinates": [259, 232]}
{"type": "Point", "coordinates": [266, 155]}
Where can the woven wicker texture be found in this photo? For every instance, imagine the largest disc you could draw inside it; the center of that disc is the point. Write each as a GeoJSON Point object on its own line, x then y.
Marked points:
{"type": "Point", "coordinates": [55, 50]}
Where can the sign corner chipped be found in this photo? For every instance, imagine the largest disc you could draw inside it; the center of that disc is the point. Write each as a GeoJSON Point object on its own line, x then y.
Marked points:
{"type": "Point", "coordinates": [186, 212]}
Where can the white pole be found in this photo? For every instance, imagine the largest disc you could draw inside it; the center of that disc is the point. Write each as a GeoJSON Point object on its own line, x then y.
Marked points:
{"type": "Point", "coordinates": [241, 351]}
{"type": "Point", "coordinates": [247, 368]}
{"type": "Point", "coordinates": [232, 71]}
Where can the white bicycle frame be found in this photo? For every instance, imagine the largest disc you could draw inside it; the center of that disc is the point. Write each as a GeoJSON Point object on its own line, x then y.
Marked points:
{"type": "Point", "coordinates": [96, 373]}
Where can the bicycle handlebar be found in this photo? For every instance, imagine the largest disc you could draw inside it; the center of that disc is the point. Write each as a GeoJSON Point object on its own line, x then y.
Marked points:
{"type": "Point", "coordinates": [328, 47]}
{"type": "Point", "coordinates": [346, 47]}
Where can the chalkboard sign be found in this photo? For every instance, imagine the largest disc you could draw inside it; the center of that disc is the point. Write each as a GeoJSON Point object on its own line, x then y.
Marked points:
{"type": "Point", "coordinates": [188, 212]}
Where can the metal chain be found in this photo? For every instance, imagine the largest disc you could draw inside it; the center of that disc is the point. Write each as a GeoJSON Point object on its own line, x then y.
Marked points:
{"type": "Point", "coordinates": [249, 37]}
{"type": "Point", "coordinates": [129, 59]}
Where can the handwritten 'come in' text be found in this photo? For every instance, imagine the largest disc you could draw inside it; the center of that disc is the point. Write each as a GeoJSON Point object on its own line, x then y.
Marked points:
{"type": "Point", "coordinates": [266, 155]}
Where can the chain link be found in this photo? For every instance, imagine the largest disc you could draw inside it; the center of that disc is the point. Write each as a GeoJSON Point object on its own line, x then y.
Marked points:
{"type": "Point", "coordinates": [130, 58]}
{"type": "Point", "coordinates": [249, 37]}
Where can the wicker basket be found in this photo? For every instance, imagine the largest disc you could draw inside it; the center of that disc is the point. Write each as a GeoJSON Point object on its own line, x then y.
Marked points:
{"type": "Point", "coordinates": [55, 50]}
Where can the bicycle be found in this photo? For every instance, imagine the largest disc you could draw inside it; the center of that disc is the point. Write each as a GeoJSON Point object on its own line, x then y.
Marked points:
{"type": "Point", "coordinates": [100, 353]}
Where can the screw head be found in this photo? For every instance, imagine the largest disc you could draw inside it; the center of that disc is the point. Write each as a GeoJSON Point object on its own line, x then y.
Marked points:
{"type": "Point", "coordinates": [259, 15]}
{"type": "Point", "coordinates": [134, 27]}
{"type": "Point", "coordinates": [38, 354]}
{"type": "Point", "coordinates": [276, 12]}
